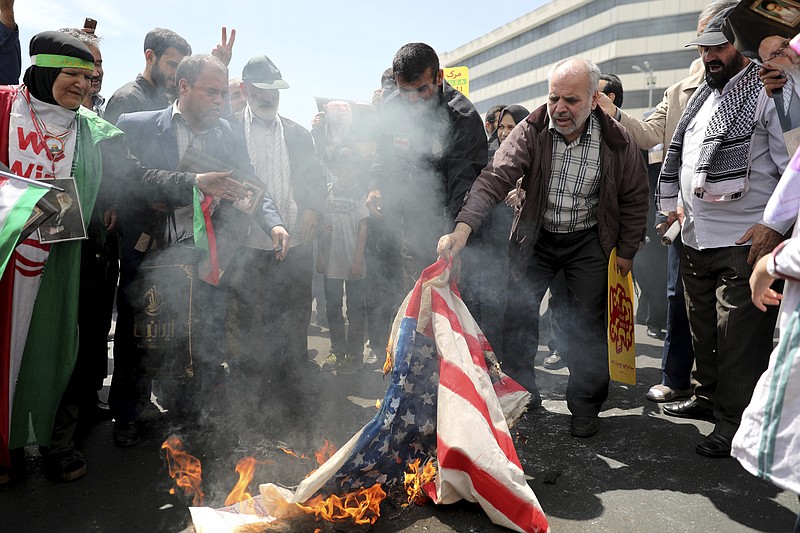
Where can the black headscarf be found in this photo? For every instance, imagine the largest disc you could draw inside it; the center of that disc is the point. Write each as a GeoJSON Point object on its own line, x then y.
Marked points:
{"type": "Point", "coordinates": [517, 112]}
{"type": "Point", "coordinates": [39, 80]}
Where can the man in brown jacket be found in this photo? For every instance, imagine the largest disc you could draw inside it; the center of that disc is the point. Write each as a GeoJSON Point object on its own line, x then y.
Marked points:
{"type": "Point", "coordinates": [585, 187]}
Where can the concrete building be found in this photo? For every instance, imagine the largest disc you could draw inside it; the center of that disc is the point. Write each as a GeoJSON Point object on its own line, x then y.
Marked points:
{"type": "Point", "coordinates": [641, 41]}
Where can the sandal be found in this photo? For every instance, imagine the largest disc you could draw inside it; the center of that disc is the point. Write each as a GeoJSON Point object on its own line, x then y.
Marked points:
{"type": "Point", "coordinates": [66, 468]}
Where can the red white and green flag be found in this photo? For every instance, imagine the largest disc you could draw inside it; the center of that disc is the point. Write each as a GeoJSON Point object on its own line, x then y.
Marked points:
{"type": "Point", "coordinates": [204, 238]}
{"type": "Point", "coordinates": [17, 201]}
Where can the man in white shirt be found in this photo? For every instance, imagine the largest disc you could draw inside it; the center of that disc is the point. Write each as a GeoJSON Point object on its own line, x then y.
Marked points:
{"type": "Point", "coordinates": [725, 159]}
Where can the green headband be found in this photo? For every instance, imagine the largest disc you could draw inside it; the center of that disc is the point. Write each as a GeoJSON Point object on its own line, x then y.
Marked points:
{"type": "Point", "coordinates": [56, 61]}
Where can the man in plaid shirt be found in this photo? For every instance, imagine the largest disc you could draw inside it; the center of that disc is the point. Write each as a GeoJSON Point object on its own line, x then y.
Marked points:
{"type": "Point", "coordinates": [584, 189]}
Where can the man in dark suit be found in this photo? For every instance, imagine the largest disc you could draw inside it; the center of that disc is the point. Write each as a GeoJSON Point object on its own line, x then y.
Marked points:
{"type": "Point", "coordinates": [160, 215]}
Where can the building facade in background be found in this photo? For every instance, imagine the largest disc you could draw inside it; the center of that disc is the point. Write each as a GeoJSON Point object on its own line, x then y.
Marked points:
{"type": "Point", "coordinates": [641, 41]}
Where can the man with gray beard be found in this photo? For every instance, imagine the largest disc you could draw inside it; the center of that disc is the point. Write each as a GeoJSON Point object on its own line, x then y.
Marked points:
{"type": "Point", "coordinates": [724, 161]}
{"type": "Point", "coordinates": [268, 320]}
{"type": "Point", "coordinates": [585, 187]}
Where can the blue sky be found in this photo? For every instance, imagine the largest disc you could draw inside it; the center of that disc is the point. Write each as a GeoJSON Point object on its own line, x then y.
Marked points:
{"type": "Point", "coordinates": [323, 48]}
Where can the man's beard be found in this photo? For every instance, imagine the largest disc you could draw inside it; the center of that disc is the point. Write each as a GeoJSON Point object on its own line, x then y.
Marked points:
{"type": "Point", "coordinates": [718, 80]}
{"type": "Point", "coordinates": [267, 113]}
{"type": "Point", "coordinates": [577, 122]}
{"type": "Point", "coordinates": [160, 80]}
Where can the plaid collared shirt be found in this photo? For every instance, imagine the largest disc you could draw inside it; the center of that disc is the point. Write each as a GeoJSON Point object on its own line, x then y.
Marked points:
{"type": "Point", "coordinates": [574, 190]}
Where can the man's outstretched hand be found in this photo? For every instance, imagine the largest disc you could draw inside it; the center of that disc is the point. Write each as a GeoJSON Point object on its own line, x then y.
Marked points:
{"type": "Point", "coordinates": [452, 243]}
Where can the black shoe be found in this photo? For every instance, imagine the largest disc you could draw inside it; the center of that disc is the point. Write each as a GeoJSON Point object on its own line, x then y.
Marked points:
{"type": "Point", "coordinates": [527, 379]}
{"type": "Point", "coordinates": [691, 408]}
{"type": "Point", "coordinates": [655, 333]}
{"type": "Point", "coordinates": [126, 434]}
{"type": "Point", "coordinates": [715, 446]}
{"type": "Point", "coordinates": [583, 426]}
{"type": "Point", "coordinates": [65, 468]}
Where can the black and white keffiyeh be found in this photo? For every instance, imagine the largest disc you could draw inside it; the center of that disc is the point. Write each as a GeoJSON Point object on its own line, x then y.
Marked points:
{"type": "Point", "coordinates": [721, 171]}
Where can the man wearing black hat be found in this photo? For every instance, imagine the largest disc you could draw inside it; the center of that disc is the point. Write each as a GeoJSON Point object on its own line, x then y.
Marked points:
{"type": "Point", "coordinates": [285, 160]}
{"type": "Point", "coordinates": [724, 161]}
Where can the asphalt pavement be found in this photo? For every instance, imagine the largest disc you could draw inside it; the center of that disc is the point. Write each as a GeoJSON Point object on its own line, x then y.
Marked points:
{"type": "Point", "coordinates": [639, 473]}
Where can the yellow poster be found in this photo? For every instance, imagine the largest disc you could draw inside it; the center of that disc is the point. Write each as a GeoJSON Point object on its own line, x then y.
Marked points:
{"type": "Point", "coordinates": [621, 342]}
{"type": "Point", "coordinates": [458, 77]}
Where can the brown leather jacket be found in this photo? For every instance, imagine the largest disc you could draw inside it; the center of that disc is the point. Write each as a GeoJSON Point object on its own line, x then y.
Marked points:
{"type": "Point", "coordinates": [527, 153]}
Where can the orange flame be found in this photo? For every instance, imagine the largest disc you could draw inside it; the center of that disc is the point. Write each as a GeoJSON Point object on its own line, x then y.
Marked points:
{"type": "Point", "coordinates": [246, 467]}
{"type": "Point", "coordinates": [185, 469]}
{"type": "Point", "coordinates": [377, 404]}
{"type": "Point", "coordinates": [325, 452]}
{"type": "Point", "coordinates": [290, 452]}
{"type": "Point", "coordinates": [362, 506]}
{"type": "Point", "coordinates": [415, 479]}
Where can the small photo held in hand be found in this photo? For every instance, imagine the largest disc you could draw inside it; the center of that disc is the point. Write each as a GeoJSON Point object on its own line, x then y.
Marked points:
{"type": "Point", "coordinates": [67, 224]}
{"type": "Point", "coordinates": [786, 12]}
{"type": "Point", "coordinates": [252, 197]}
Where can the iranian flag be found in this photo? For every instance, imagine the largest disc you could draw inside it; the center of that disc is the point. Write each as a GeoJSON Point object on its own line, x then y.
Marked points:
{"type": "Point", "coordinates": [204, 237]}
{"type": "Point", "coordinates": [17, 201]}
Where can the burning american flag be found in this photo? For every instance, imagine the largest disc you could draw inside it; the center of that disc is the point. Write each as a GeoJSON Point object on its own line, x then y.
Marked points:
{"type": "Point", "coordinates": [444, 406]}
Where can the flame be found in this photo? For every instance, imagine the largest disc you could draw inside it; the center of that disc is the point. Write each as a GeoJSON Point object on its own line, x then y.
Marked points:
{"type": "Point", "coordinates": [185, 469]}
{"type": "Point", "coordinates": [415, 479]}
{"type": "Point", "coordinates": [246, 467]}
{"type": "Point", "coordinates": [325, 452]}
{"type": "Point", "coordinates": [362, 506]}
{"type": "Point", "coordinates": [290, 452]}
{"type": "Point", "coordinates": [377, 404]}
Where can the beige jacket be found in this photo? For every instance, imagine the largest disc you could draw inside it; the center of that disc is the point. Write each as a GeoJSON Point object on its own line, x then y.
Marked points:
{"type": "Point", "coordinates": [660, 125]}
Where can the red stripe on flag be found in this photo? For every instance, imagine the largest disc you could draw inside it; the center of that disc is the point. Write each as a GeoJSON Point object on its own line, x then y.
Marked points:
{"type": "Point", "coordinates": [451, 377]}
{"type": "Point", "coordinates": [522, 512]}
{"type": "Point", "coordinates": [433, 271]}
{"type": "Point", "coordinates": [439, 306]}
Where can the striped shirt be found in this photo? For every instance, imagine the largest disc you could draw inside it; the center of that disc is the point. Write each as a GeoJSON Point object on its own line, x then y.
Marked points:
{"type": "Point", "coordinates": [574, 190]}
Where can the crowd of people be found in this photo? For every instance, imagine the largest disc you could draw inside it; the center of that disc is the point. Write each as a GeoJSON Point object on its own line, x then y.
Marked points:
{"type": "Point", "coordinates": [207, 216]}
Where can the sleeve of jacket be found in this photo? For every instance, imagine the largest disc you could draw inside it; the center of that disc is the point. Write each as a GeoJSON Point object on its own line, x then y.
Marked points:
{"type": "Point", "coordinates": [632, 198]}
{"type": "Point", "coordinates": [310, 187]}
{"type": "Point", "coordinates": [465, 159]}
{"type": "Point", "coordinates": [649, 132]}
{"type": "Point", "coordinates": [120, 104]}
{"type": "Point", "coordinates": [511, 161]}
{"type": "Point", "coordinates": [126, 178]}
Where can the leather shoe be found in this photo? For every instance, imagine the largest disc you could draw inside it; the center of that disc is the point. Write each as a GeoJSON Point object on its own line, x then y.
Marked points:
{"type": "Point", "coordinates": [691, 408]}
{"type": "Point", "coordinates": [583, 426]}
{"type": "Point", "coordinates": [554, 361]}
{"type": "Point", "coordinates": [655, 332]}
{"type": "Point", "coordinates": [715, 446]}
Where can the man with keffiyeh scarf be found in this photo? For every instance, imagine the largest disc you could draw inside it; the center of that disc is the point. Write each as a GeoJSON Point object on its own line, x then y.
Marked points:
{"type": "Point", "coordinates": [723, 163]}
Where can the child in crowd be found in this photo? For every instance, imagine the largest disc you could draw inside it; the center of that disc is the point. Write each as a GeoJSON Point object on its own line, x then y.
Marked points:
{"type": "Point", "coordinates": [341, 258]}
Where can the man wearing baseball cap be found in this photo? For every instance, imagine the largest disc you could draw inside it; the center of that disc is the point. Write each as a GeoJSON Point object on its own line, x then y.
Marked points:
{"type": "Point", "coordinates": [272, 319]}
{"type": "Point", "coordinates": [724, 161]}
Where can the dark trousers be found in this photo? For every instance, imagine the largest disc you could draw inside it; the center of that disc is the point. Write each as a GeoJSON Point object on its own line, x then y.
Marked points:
{"type": "Point", "coordinates": [677, 357]}
{"type": "Point", "coordinates": [732, 339]}
{"type": "Point", "coordinates": [351, 342]}
{"type": "Point", "coordinates": [581, 258]}
{"type": "Point", "coordinates": [484, 279]}
{"type": "Point", "coordinates": [270, 307]}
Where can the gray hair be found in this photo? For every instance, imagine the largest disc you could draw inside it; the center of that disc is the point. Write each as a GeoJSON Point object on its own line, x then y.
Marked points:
{"type": "Point", "coordinates": [86, 38]}
{"type": "Point", "coordinates": [585, 66]}
{"type": "Point", "coordinates": [191, 67]}
{"type": "Point", "coordinates": [713, 9]}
